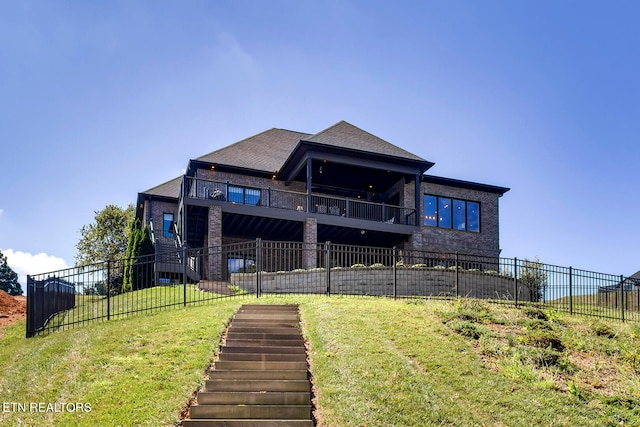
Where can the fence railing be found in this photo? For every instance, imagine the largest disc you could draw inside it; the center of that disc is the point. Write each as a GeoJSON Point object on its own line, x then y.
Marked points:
{"type": "Point", "coordinates": [199, 188]}
{"type": "Point", "coordinates": [120, 288]}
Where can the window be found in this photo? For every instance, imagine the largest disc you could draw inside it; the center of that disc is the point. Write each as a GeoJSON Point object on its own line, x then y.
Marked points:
{"type": "Point", "coordinates": [473, 217]}
{"type": "Point", "coordinates": [241, 264]}
{"type": "Point", "coordinates": [430, 211]}
{"type": "Point", "coordinates": [445, 212]}
{"type": "Point", "coordinates": [459, 215]}
{"type": "Point", "coordinates": [167, 225]}
{"type": "Point", "coordinates": [244, 195]}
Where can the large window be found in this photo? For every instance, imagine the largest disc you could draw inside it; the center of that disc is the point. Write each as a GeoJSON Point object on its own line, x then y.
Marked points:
{"type": "Point", "coordinates": [167, 225]}
{"type": "Point", "coordinates": [445, 212]}
{"type": "Point", "coordinates": [244, 195]}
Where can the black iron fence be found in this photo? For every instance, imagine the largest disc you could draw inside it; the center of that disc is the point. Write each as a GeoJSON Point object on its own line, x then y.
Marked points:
{"type": "Point", "coordinates": [120, 288]}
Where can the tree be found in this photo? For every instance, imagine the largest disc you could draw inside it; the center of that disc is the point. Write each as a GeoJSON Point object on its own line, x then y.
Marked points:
{"type": "Point", "coordinates": [137, 272]}
{"type": "Point", "coordinates": [8, 278]}
{"type": "Point", "coordinates": [106, 238]}
{"type": "Point", "coordinates": [534, 278]}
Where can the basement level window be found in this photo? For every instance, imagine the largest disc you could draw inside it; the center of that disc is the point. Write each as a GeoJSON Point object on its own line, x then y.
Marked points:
{"type": "Point", "coordinates": [445, 212]}
{"type": "Point", "coordinates": [167, 225]}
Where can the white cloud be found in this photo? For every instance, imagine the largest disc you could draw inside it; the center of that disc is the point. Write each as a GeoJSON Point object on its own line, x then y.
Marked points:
{"type": "Point", "coordinates": [1, 212]}
{"type": "Point", "coordinates": [25, 263]}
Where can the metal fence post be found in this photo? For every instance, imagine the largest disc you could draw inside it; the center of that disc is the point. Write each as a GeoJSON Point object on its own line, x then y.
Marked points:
{"type": "Point", "coordinates": [515, 281]}
{"type": "Point", "coordinates": [30, 311]}
{"type": "Point", "coordinates": [395, 272]}
{"type": "Point", "coordinates": [622, 296]}
{"type": "Point", "coordinates": [109, 290]}
{"type": "Point", "coordinates": [258, 265]}
{"type": "Point", "coordinates": [457, 275]}
{"type": "Point", "coordinates": [185, 277]}
{"type": "Point", "coordinates": [570, 290]}
{"type": "Point", "coordinates": [328, 265]}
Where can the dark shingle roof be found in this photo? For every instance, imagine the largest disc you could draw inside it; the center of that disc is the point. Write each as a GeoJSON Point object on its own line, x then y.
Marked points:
{"type": "Point", "coordinates": [168, 189]}
{"type": "Point", "coordinates": [266, 151]}
{"type": "Point", "coordinates": [346, 135]}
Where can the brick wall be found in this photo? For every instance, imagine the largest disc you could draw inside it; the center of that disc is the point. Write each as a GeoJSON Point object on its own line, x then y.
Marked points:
{"type": "Point", "coordinates": [486, 242]}
{"type": "Point", "coordinates": [153, 211]}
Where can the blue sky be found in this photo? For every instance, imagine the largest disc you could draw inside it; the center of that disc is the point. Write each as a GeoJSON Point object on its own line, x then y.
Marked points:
{"type": "Point", "coordinates": [102, 100]}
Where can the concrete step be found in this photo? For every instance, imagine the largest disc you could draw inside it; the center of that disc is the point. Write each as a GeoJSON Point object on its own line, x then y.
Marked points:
{"type": "Point", "coordinates": [263, 356]}
{"type": "Point", "coordinates": [247, 423]}
{"type": "Point", "coordinates": [254, 398]}
{"type": "Point", "coordinates": [264, 342]}
{"type": "Point", "coordinates": [256, 385]}
{"type": "Point", "coordinates": [218, 374]}
{"type": "Point", "coordinates": [251, 411]}
{"type": "Point", "coordinates": [253, 365]}
{"type": "Point", "coordinates": [275, 307]}
{"type": "Point", "coordinates": [265, 349]}
{"type": "Point", "coordinates": [254, 315]}
{"type": "Point", "coordinates": [266, 322]}
{"type": "Point", "coordinates": [260, 378]}
{"type": "Point", "coordinates": [265, 330]}
{"type": "Point", "coordinates": [234, 335]}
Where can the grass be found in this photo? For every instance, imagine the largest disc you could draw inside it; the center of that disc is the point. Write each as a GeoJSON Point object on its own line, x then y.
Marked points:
{"type": "Point", "coordinates": [138, 371]}
{"type": "Point", "coordinates": [374, 362]}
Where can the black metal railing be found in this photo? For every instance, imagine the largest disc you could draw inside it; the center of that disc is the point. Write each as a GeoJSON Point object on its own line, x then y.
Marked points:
{"type": "Point", "coordinates": [120, 288]}
{"type": "Point", "coordinates": [199, 188]}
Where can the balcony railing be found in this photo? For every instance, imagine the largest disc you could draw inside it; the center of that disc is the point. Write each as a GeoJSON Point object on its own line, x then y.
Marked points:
{"type": "Point", "coordinates": [230, 192]}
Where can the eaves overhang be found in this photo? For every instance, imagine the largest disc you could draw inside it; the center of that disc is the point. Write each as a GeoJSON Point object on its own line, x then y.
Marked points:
{"type": "Point", "coordinates": [465, 184]}
{"type": "Point", "coordinates": [347, 156]}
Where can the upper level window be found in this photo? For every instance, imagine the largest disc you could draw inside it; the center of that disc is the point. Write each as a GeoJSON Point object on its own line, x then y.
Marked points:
{"type": "Point", "coordinates": [445, 212]}
{"type": "Point", "coordinates": [167, 225]}
{"type": "Point", "coordinates": [244, 195]}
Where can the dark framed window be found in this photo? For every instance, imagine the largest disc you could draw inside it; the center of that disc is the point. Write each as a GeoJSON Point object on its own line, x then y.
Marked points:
{"type": "Point", "coordinates": [167, 224]}
{"type": "Point", "coordinates": [430, 211]}
{"type": "Point", "coordinates": [459, 215]}
{"type": "Point", "coordinates": [473, 217]}
{"type": "Point", "coordinates": [244, 195]}
{"type": "Point", "coordinates": [446, 212]}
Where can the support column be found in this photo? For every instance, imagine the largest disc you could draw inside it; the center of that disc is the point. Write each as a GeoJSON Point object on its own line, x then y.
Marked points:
{"type": "Point", "coordinates": [419, 218]}
{"type": "Point", "coordinates": [310, 232]}
{"type": "Point", "coordinates": [215, 268]}
{"type": "Point", "coordinates": [309, 185]}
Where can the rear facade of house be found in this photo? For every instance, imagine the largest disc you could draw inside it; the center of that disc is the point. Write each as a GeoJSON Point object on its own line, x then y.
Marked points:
{"type": "Point", "coordinates": [341, 185]}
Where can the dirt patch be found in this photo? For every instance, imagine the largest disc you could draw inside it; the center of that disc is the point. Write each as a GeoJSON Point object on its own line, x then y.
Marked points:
{"type": "Point", "coordinates": [12, 309]}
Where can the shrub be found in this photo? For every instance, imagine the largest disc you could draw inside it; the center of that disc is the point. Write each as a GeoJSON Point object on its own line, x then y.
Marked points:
{"type": "Point", "coordinates": [543, 339]}
{"type": "Point", "coordinates": [468, 329]}
{"type": "Point", "coordinates": [358, 266]}
{"type": "Point", "coordinates": [534, 313]}
{"type": "Point", "coordinates": [602, 329]}
{"type": "Point", "coordinates": [377, 265]}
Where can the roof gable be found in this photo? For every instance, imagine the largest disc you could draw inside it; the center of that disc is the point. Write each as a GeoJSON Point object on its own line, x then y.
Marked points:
{"type": "Point", "coordinates": [346, 135]}
{"type": "Point", "coordinates": [266, 151]}
{"type": "Point", "coordinates": [169, 189]}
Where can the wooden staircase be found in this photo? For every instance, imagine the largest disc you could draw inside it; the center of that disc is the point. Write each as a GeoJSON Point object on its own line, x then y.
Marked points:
{"type": "Point", "coordinates": [260, 378]}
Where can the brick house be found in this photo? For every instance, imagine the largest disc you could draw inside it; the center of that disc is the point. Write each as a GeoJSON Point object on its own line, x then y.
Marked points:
{"type": "Point", "coordinates": [341, 184]}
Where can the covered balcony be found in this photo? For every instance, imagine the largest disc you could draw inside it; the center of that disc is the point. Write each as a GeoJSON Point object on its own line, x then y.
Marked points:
{"type": "Point", "coordinates": [203, 192]}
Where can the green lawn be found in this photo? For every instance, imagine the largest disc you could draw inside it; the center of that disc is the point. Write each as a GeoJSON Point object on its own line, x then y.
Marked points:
{"type": "Point", "coordinates": [374, 362]}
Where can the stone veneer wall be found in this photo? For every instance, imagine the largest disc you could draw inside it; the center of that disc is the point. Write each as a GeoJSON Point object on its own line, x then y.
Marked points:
{"type": "Point", "coordinates": [379, 281]}
{"type": "Point", "coordinates": [486, 242]}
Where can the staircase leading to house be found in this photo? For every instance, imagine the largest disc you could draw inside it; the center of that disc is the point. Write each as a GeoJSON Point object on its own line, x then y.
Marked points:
{"type": "Point", "coordinates": [260, 378]}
